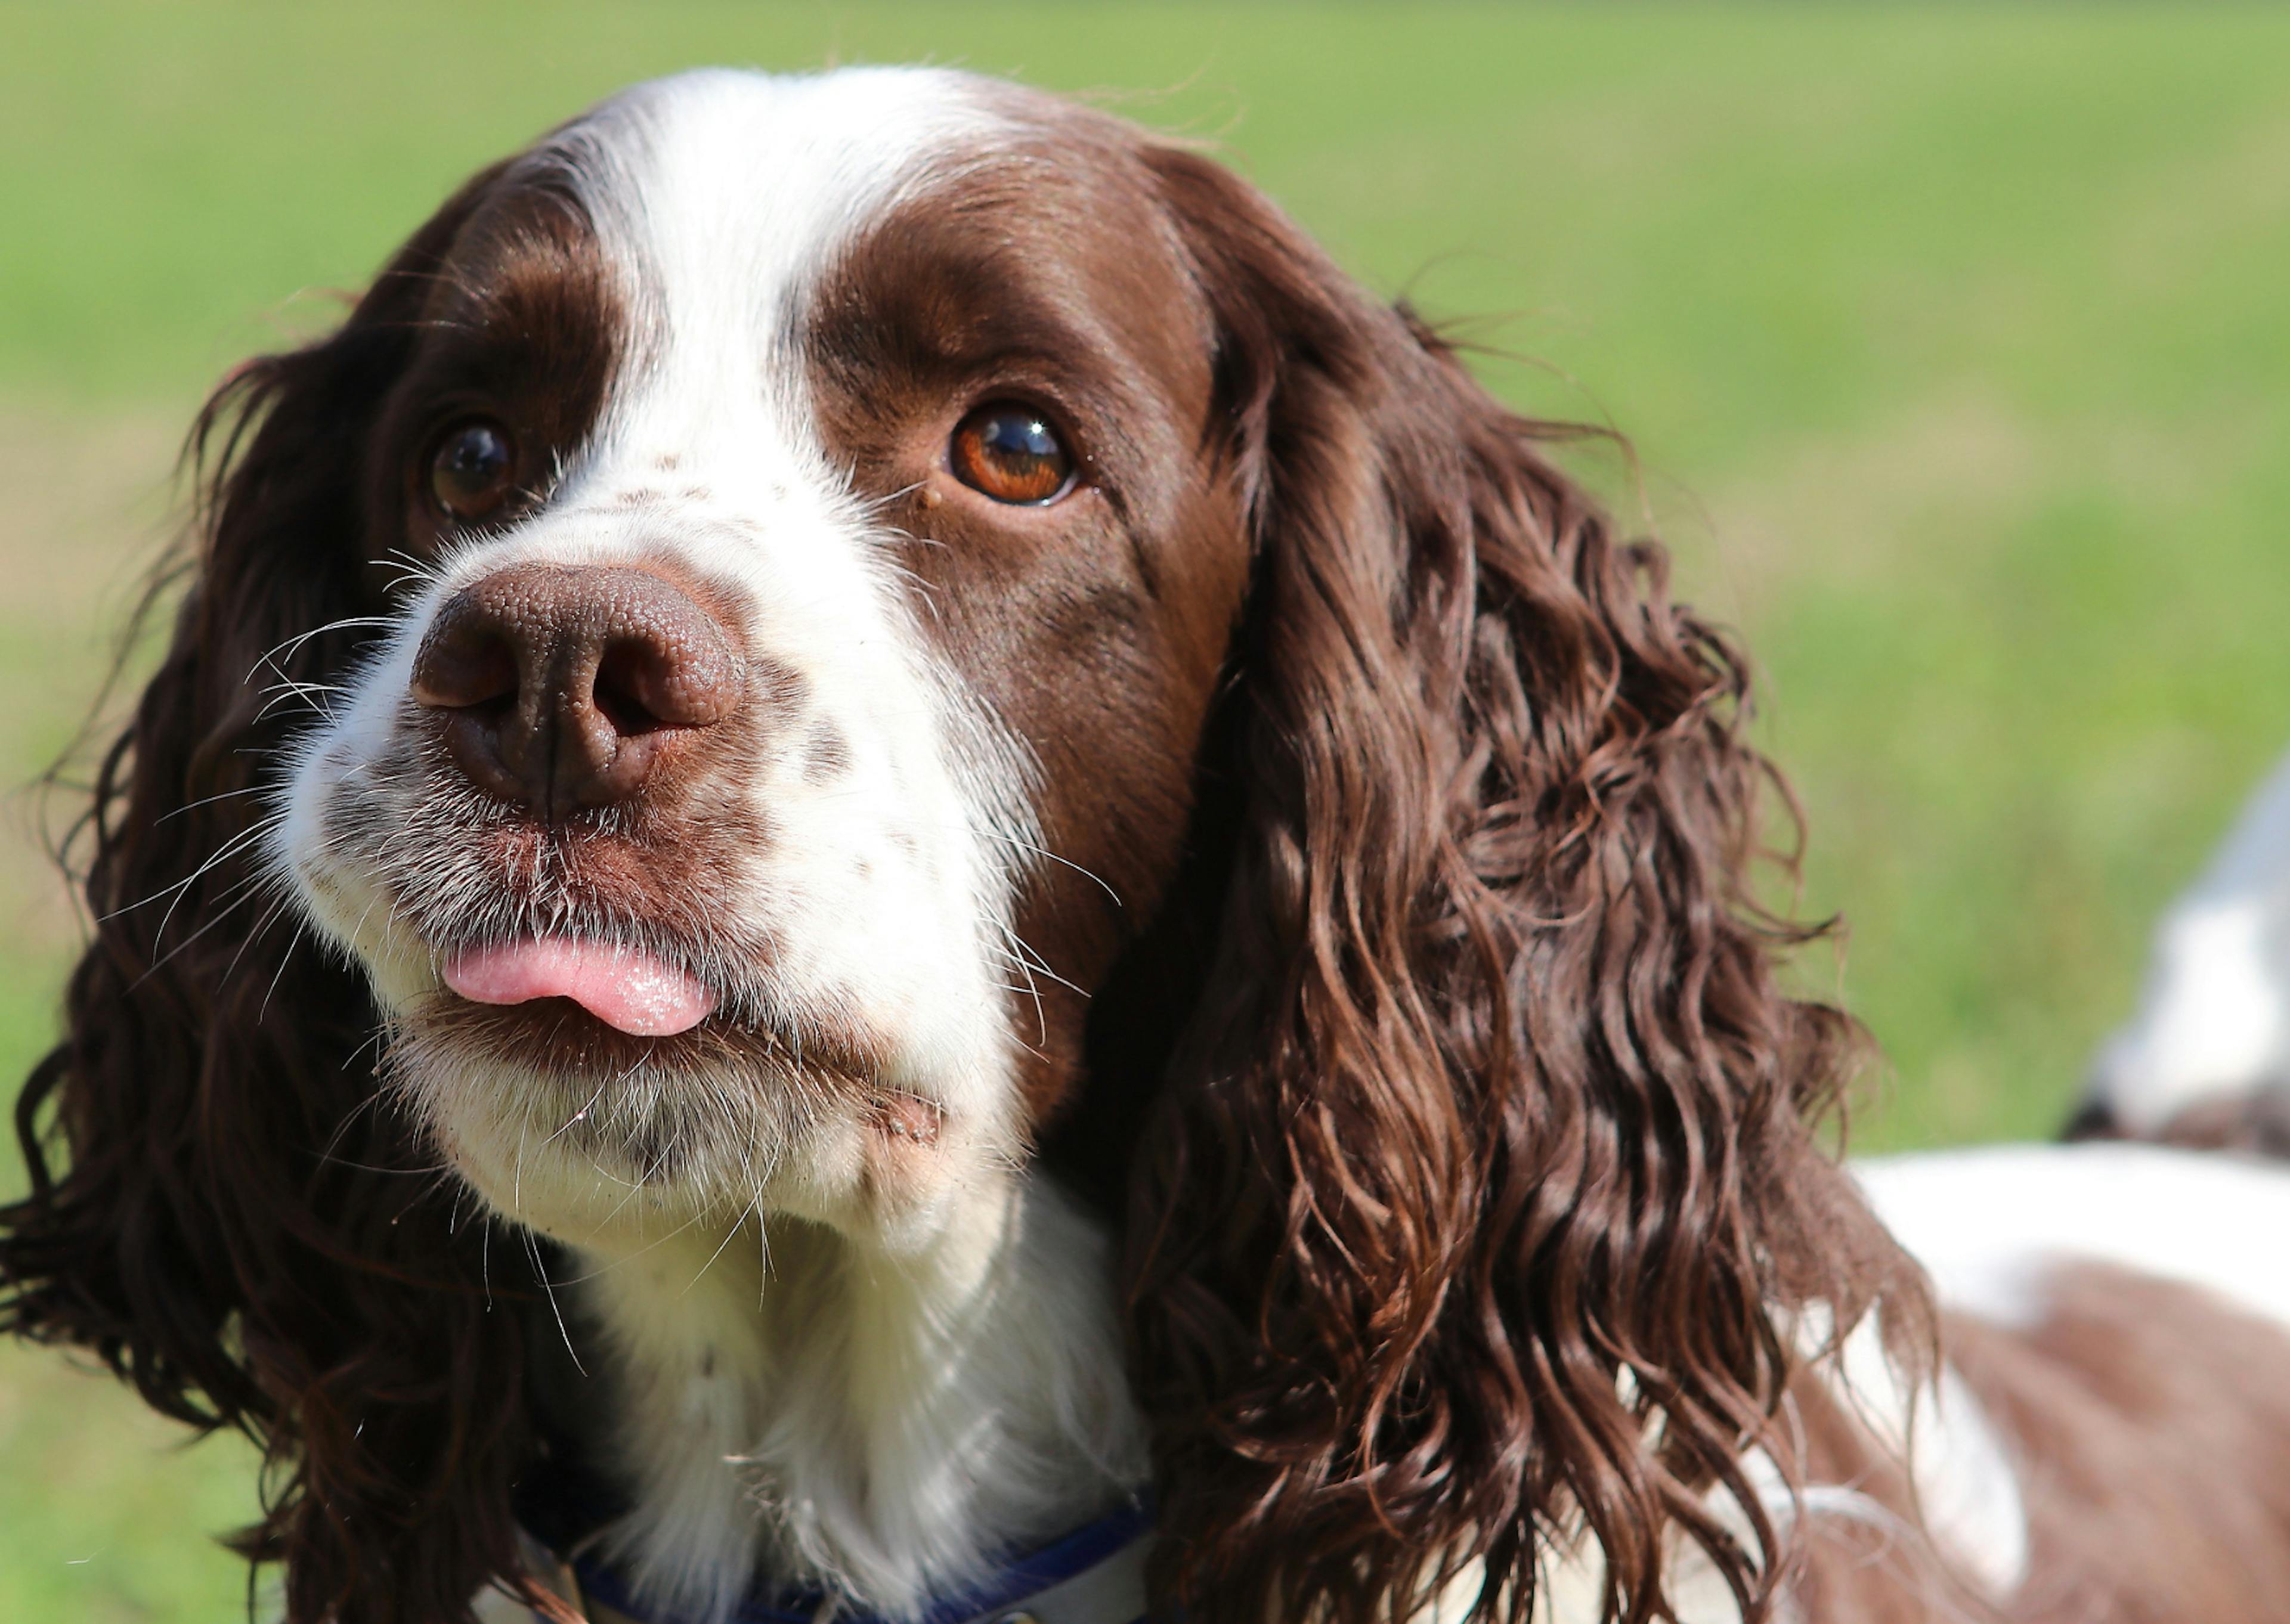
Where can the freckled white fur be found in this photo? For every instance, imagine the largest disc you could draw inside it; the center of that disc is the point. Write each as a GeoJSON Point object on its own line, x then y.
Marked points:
{"type": "Point", "coordinates": [727, 194]}
{"type": "Point", "coordinates": [838, 1359]}
{"type": "Point", "coordinates": [2214, 1020]}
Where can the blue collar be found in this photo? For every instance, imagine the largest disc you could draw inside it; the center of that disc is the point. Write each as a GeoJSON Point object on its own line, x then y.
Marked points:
{"type": "Point", "coordinates": [1094, 1575]}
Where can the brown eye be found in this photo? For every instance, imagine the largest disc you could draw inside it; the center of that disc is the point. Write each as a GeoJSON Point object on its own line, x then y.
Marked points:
{"type": "Point", "coordinates": [1011, 453]}
{"type": "Point", "coordinates": [470, 471]}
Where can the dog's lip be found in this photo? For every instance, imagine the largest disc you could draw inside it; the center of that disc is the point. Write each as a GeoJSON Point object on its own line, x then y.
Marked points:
{"type": "Point", "coordinates": [630, 988]}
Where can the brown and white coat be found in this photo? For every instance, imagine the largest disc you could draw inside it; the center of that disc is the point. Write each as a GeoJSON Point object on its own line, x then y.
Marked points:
{"type": "Point", "coordinates": [911, 1008]}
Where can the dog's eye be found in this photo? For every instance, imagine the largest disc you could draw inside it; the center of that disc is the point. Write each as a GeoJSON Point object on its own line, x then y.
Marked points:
{"type": "Point", "coordinates": [1011, 453]}
{"type": "Point", "coordinates": [470, 472]}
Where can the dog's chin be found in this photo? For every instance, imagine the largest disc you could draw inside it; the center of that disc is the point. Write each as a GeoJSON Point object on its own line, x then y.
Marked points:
{"type": "Point", "coordinates": [530, 1103]}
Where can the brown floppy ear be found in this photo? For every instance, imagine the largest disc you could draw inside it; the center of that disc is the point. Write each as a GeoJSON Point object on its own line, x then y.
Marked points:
{"type": "Point", "coordinates": [1482, 1174]}
{"type": "Point", "coordinates": [215, 1199]}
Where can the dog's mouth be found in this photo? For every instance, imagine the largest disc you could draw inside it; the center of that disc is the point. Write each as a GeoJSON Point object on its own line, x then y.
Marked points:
{"type": "Point", "coordinates": [587, 1006]}
{"type": "Point", "coordinates": [629, 988]}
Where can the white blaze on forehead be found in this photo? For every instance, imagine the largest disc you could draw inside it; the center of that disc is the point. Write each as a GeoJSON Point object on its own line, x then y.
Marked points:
{"type": "Point", "coordinates": [726, 195]}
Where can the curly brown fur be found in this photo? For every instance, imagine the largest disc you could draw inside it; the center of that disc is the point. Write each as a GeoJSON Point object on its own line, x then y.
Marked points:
{"type": "Point", "coordinates": [218, 1206]}
{"type": "Point", "coordinates": [1485, 1162]}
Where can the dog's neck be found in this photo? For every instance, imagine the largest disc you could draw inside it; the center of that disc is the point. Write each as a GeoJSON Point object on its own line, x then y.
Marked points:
{"type": "Point", "coordinates": [792, 1405]}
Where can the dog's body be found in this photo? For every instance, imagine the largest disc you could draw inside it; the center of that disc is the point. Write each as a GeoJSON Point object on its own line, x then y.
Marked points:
{"type": "Point", "coordinates": [1025, 852]}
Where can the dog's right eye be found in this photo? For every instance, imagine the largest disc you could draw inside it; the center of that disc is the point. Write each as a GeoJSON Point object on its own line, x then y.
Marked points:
{"type": "Point", "coordinates": [473, 469]}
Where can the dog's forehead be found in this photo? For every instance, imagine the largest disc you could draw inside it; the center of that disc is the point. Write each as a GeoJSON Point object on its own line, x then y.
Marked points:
{"type": "Point", "coordinates": [725, 194]}
{"type": "Point", "coordinates": [730, 211]}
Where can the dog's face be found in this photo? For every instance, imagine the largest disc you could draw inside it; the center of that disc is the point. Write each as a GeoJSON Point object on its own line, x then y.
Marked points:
{"type": "Point", "coordinates": [853, 616]}
{"type": "Point", "coordinates": [805, 575]}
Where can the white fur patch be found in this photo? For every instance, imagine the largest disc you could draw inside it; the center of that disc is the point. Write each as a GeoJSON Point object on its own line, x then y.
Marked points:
{"type": "Point", "coordinates": [1966, 1488]}
{"type": "Point", "coordinates": [1991, 1224]}
{"type": "Point", "coordinates": [1992, 1227]}
{"type": "Point", "coordinates": [865, 1422]}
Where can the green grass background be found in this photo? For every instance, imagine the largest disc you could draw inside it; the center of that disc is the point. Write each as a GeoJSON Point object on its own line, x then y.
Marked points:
{"type": "Point", "coordinates": [1953, 344]}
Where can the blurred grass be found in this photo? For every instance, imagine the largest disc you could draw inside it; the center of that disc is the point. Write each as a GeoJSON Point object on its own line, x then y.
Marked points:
{"type": "Point", "coordinates": [1953, 343]}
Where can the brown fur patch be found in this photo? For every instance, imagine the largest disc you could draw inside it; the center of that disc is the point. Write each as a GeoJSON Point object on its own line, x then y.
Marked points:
{"type": "Point", "coordinates": [2151, 1426]}
{"type": "Point", "coordinates": [522, 322]}
{"type": "Point", "coordinates": [1096, 628]}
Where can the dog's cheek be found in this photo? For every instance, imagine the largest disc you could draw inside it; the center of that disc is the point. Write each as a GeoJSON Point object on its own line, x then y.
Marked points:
{"type": "Point", "coordinates": [347, 791]}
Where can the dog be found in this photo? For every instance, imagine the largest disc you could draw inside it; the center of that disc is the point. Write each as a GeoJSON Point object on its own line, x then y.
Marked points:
{"type": "Point", "coordinates": [886, 869]}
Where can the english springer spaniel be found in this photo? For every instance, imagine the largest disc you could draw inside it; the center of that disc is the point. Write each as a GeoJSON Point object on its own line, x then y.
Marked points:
{"type": "Point", "coordinates": [887, 871]}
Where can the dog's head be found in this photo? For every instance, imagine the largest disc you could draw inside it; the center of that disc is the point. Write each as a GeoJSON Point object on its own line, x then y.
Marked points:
{"type": "Point", "coordinates": [813, 645]}
{"type": "Point", "coordinates": [801, 577]}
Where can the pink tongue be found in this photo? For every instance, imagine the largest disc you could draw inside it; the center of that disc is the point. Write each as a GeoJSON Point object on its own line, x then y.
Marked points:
{"type": "Point", "coordinates": [621, 986]}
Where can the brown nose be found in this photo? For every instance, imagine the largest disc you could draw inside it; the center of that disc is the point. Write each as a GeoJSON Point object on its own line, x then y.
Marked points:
{"type": "Point", "coordinates": [561, 687]}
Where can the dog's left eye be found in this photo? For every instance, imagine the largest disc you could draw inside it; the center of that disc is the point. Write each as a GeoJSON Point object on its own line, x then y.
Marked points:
{"type": "Point", "coordinates": [1011, 453]}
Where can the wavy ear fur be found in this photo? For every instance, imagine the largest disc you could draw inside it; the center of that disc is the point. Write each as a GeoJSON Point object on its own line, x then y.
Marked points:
{"type": "Point", "coordinates": [216, 1205]}
{"type": "Point", "coordinates": [1481, 1189]}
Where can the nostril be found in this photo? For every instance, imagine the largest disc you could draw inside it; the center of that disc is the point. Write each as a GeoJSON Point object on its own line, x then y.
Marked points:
{"type": "Point", "coordinates": [624, 675]}
{"type": "Point", "coordinates": [671, 672]}
{"type": "Point", "coordinates": [465, 668]}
